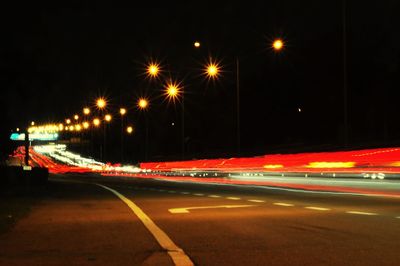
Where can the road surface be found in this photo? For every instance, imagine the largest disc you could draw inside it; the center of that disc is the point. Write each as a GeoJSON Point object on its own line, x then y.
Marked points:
{"type": "Point", "coordinates": [94, 220]}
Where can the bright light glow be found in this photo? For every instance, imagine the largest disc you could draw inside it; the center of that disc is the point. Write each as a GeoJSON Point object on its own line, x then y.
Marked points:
{"type": "Point", "coordinates": [78, 127]}
{"type": "Point", "coordinates": [17, 129]}
{"type": "Point", "coordinates": [196, 44]}
{"type": "Point", "coordinates": [101, 103]}
{"type": "Point", "coordinates": [85, 125]}
{"type": "Point", "coordinates": [108, 117]}
{"type": "Point", "coordinates": [153, 69]}
{"type": "Point", "coordinates": [60, 127]}
{"type": "Point", "coordinates": [172, 91]}
{"type": "Point", "coordinates": [122, 111]}
{"type": "Point", "coordinates": [129, 129]}
{"type": "Point", "coordinates": [277, 45]}
{"type": "Point", "coordinates": [96, 122]}
{"type": "Point", "coordinates": [32, 123]}
{"type": "Point", "coordinates": [143, 103]}
{"type": "Point", "coordinates": [86, 110]}
{"type": "Point", "coordinates": [71, 128]}
{"type": "Point", "coordinates": [68, 121]}
{"type": "Point", "coordinates": [331, 165]}
{"type": "Point", "coordinates": [212, 69]}
{"type": "Point", "coordinates": [76, 117]}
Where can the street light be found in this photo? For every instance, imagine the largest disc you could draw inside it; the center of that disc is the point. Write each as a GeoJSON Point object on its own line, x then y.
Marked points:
{"type": "Point", "coordinates": [277, 45]}
{"type": "Point", "coordinates": [101, 103]}
{"type": "Point", "coordinates": [122, 112]}
{"type": "Point", "coordinates": [196, 44]}
{"type": "Point", "coordinates": [68, 121]}
{"type": "Point", "coordinates": [129, 129]}
{"type": "Point", "coordinates": [96, 122]}
{"type": "Point", "coordinates": [86, 111]}
{"type": "Point", "coordinates": [173, 90]}
{"type": "Point", "coordinates": [76, 117]}
{"type": "Point", "coordinates": [153, 69]}
{"type": "Point", "coordinates": [143, 105]}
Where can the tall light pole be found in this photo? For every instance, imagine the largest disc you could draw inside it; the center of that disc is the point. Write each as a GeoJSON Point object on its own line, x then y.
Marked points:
{"type": "Point", "coordinates": [101, 104]}
{"type": "Point", "coordinates": [107, 119]}
{"type": "Point", "coordinates": [143, 105]}
{"type": "Point", "coordinates": [173, 90]}
{"type": "Point", "coordinates": [122, 112]}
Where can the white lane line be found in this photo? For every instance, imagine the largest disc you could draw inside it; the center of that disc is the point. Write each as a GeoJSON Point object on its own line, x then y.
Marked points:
{"type": "Point", "coordinates": [187, 209]}
{"type": "Point", "coordinates": [362, 213]}
{"type": "Point", "coordinates": [256, 200]}
{"type": "Point", "coordinates": [398, 217]}
{"type": "Point", "coordinates": [317, 208]}
{"type": "Point", "coordinates": [176, 253]}
{"type": "Point", "coordinates": [198, 194]}
{"type": "Point", "coordinates": [214, 196]}
{"type": "Point", "coordinates": [185, 193]}
{"type": "Point", "coordinates": [233, 198]}
{"type": "Point", "coordinates": [283, 204]}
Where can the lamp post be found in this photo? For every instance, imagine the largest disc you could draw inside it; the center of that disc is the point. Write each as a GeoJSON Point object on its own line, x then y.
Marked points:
{"type": "Point", "coordinates": [107, 119]}
{"type": "Point", "coordinates": [143, 105]}
{"type": "Point", "coordinates": [101, 104]}
{"type": "Point", "coordinates": [122, 112]}
{"type": "Point", "coordinates": [173, 90]}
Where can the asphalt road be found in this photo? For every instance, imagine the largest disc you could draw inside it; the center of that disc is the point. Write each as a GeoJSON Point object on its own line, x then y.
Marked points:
{"type": "Point", "coordinates": [83, 223]}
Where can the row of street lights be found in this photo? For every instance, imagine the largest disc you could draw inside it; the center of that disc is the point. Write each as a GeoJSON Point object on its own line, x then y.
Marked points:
{"type": "Point", "coordinates": [173, 91]}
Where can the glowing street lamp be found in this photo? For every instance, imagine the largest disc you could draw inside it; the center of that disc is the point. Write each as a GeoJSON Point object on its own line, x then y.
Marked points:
{"type": "Point", "coordinates": [212, 70]}
{"type": "Point", "coordinates": [122, 111]}
{"type": "Point", "coordinates": [85, 125]}
{"type": "Point", "coordinates": [86, 111]}
{"type": "Point", "coordinates": [68, 121]}
{"type": "Point", "coordinates": [143, 103]}
{"type": "Point", "coordinates": [76, 117]}
{"type": "Point", "coordinates": [153, 69]}
{"type": "Point", "coordinates": [78, 127]}
{"type": "Point", "coordinates": [101, 103]}
{"type": "Point", "coordinates": [108, 117]}
{"type": "Point", "coordinates": [172, 91]}
{"type": "Point", "coordinates": [96, 122]}
{"type": "Point", "coordinates": [196, 44]}
{"type": "Point", "coordinates": [129, 129]}
{"type": "Point", "coordinates": [277, 45]}
{"type": "Point", "coordinates": [32, 123]}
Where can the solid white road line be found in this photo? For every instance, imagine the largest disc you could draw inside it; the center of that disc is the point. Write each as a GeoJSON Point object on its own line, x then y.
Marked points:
{"type": "Point", "coordinates": [283, 204]}
{"type": "Point", "coordinates": [198, 194]}
{"type": "Point", "coordinates": [317, 208]}
{"type": "Point", "coordinates": [362, 213]}
{"type": "Point", "coordinates": [177, 254]}
{"type": "Point", "coordinates": [214, 196]}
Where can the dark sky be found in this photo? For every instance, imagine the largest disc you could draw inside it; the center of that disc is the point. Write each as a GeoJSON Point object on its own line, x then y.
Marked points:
{"type": "Point", "coordinates": [56, 60]}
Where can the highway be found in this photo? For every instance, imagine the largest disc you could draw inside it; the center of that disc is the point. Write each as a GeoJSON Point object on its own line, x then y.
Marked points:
{"type": "Point", "coordinates": [97, 220]}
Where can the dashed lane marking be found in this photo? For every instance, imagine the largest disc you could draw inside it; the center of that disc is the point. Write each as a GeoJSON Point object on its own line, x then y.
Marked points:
{"type": "Point", "coordinates": [256, 200]}
{"type": "Point", "coordinates": [233, 198]}
{"type": "Point", "coordinates": [214, 196]}
{"type": "Point", "coordinates": [198, 194]}
{"type": "Point", "coordinates": [317, 208]}
{"type": "Point", "coordinates": [177, 254]}
{"type": "Point", "coordinates": [187, 209]}
{"type": "Point", "coordinates": [362, 213]}
{"type": "Point", "coordinates": [283, 204]}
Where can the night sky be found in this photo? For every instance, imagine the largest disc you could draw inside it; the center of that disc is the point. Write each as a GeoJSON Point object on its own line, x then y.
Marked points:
{"type": "Point", "coordinates": [55, 61]}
